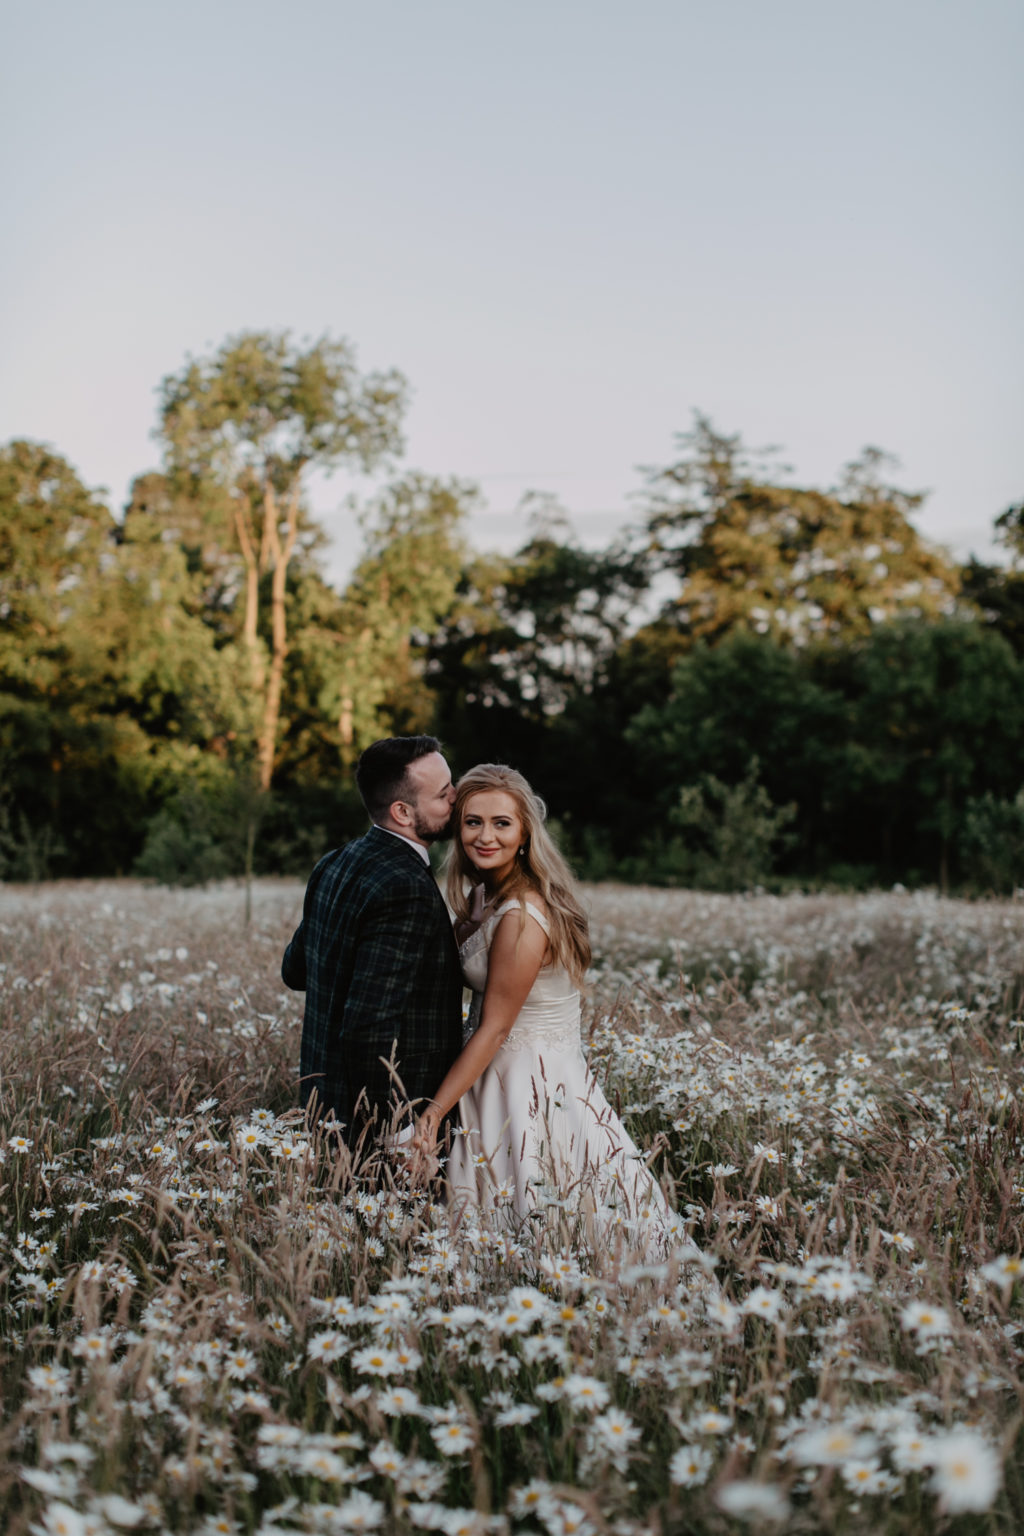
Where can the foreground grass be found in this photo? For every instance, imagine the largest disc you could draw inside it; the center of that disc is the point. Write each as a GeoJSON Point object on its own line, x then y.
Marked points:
{"type": "Point", "coordinates": [209, 1323]}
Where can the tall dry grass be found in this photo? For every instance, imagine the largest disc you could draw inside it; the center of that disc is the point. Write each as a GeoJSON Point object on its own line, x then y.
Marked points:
{"type": "Point", "coordinates": [210, 1322]}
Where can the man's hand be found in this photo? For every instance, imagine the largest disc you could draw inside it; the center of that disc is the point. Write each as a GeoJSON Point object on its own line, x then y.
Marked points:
{"type": "Point", "coordinates": [478, 905]}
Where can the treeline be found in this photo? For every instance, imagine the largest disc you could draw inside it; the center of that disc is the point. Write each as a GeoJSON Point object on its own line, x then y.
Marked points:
{"type": "Point", "coordinates": [756, 683]}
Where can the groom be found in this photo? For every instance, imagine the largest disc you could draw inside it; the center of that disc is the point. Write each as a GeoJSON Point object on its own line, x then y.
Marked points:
{"type": "Point", "coordinates": [375, 953]}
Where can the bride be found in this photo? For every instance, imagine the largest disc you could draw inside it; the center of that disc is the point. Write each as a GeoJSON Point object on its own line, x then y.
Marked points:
{"type": "Point", "coordinates": [533, 1121]}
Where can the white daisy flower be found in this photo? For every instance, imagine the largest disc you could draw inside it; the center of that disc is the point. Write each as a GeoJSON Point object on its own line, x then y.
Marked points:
{"type": "Point", "coordinates": [397, 1402]}
{"type": "Point", "coordinates": [1004, 1269]}
{"type": "Point", "coordinates": [690, 1466]}
{"type": "Point", "coordinates": [832, 1445]}
{"type": "Point", "coordinates": [748, 1500]}
{"type": "Point", "coordinates": [585, 1391]}
{"type": "Point", "coordinates": [926, 1321]}
{"type": "Point", "coordinates": [453, 1438]}
{"type": "Point", "coordinates": [967, 1472]}
{"type": "Point", "coordinates": [373, 1361]}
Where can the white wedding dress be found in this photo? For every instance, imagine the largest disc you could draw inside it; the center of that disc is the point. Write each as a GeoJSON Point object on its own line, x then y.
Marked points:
{"type": "Point", "coordinates": [536, 1130]}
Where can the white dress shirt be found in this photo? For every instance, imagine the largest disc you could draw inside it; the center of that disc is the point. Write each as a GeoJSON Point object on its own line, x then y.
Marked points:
{"type": "Point", "coordinates": [420, 849]}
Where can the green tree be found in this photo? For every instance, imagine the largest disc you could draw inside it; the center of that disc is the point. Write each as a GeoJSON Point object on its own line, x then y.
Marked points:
{"type": "Point", "coordinates": [111, 691]}
{"type": "Point", "coordinates": [190, 516]}
{"type": "Point", "coordinates": [795, 565]}
{"type": "Point", "coordinates": [242, 430]}
{"type": "Point", "coordinates": [935, 720]}
{"type": "Point", "coordinates": [53, 536]}
{"type": "Point", "coordinates": [565, 608]}
{"type": "Point", "coordinates": [404, 586]}
{"type": "Point", "coordinates": [992, 843]}
{"type": "Point", "coordinates": [745, 699]}
{"type": "Point", "coordinates": [737, 829]}
{"type": "Point", "coordinates": [527, 646]}
{"type": "Point", "coordinates": [1010, 532]}
{"type": "Point", "coordinates": [156, 660]}
{"type": "Point", "coordinates": [164, 511]}
{"type": "Point", "coordinates": [997, 591]}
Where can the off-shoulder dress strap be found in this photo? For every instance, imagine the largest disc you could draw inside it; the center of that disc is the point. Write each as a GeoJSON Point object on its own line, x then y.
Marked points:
{"type": "Point", "coordinates": [535, 912]}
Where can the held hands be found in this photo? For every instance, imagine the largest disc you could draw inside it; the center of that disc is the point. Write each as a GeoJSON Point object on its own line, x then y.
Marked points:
{"type": "Point", "coordinates": [422, 1148]}
{"type": "Point", "coordinates": [425, 1136]}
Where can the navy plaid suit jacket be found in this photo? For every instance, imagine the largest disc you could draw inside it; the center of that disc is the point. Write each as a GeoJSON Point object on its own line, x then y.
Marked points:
{"type": "Point", "coordinates": [376, 956]}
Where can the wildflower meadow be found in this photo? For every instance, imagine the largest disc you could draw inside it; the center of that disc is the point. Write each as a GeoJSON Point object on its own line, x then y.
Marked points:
{"type": "Point", "coordinates": [210, 1322]}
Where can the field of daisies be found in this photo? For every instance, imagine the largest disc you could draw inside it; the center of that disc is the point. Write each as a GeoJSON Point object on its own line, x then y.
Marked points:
{"type": "Point", "coordinates": [210, 1322]}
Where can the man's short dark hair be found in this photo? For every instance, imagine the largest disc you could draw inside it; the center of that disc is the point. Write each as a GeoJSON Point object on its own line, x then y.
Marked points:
{"type": "Point", "coordinates": [382, 771]}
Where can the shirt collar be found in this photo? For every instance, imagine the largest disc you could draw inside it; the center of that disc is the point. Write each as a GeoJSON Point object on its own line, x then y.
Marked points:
{"type": "Point", "coordinates": [424, 855]}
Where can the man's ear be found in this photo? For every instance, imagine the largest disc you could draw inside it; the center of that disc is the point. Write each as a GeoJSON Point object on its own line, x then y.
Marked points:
{"type": "Point", "coordinates": [401, 813]}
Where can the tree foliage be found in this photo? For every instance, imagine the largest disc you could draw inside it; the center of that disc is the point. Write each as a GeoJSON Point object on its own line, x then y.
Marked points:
{"type": "Point", "coordinates": [1009, 528]}
{"type": "Point", "coordinates": [795, 565]}
{"type": "Point", "coordinates": [404, 587]}
{"type": "Point", "coordinates": [738, 831]}
{"type": "Point", "coordinates": [822, 696]}
{"type": "Point", "coordinates": [993, 844]}
{"type": "Point", "coordinates": [241, 429]}
{"type": "Point", "coordinates": [936, 719]}
{"type": "Point", "coordinates": [742, 700]}
{"type": "Point", "coordinates": [110, 691]}
{"type": "Point", "coordinates": [54, 534]}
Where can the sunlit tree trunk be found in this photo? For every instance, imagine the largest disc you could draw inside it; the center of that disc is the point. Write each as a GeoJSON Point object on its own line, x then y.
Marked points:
{"type": "Point", "coordinates": [250, 619]}
{"type": "Point", "coordinates": [278, 555]}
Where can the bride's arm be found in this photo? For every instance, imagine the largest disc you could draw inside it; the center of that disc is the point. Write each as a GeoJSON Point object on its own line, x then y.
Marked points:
{"type": "Point", "coordinates": [513, 963]}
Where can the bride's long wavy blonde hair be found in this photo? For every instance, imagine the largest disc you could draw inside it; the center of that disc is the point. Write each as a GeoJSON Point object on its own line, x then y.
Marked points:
{"type": "Point", "coordinates": [539, 867]}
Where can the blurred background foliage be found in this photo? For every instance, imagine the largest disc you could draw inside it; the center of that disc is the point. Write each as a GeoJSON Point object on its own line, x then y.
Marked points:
{"type": "Point", "coordinates": [756, 683]}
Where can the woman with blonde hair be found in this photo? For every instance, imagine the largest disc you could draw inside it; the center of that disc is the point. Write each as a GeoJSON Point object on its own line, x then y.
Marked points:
{"type": "Point", "coordinates": [531, 1116]}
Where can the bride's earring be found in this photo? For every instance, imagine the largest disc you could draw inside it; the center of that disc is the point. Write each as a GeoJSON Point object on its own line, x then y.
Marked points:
{"type": "Point", "coordinates": [522, 852]}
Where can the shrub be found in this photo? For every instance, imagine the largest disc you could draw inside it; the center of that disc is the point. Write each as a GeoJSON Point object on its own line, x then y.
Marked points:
{"type": "Point", "coordinates": [182, 846]}
{"type": "Point", "coordinates": [27, 852]}
{"type": "Point", "coordinates": [738, 829]}
{"type": "Point", "coordinates": [992, 843]}
{"type": "Point", "coordinates": [203, 834]}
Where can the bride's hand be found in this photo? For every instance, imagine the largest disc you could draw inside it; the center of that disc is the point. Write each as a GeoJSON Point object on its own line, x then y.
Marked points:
{"type": "Point", "coordinates": [422, 1162]}
{"type": "Point", "coordinates": [425, 1136]}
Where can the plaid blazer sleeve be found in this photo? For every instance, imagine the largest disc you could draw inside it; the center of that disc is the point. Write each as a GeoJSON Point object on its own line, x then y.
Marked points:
{"type": "Point", "coordinates": [293, 966]}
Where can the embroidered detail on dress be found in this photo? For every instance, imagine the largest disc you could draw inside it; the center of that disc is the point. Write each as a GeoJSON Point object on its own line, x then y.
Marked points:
{"type": "Point", "coordinates": [561, 1037]}
{"type": "Point", "coordinates": [555, 1037]}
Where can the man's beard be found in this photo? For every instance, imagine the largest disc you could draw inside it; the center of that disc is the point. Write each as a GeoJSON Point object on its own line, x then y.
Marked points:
{"type": "Point", "coordinates": [429, 834]}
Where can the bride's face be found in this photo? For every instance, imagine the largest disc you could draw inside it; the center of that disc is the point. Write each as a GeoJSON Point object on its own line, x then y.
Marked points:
{"type": "Point", "coordinates": [491, 830]}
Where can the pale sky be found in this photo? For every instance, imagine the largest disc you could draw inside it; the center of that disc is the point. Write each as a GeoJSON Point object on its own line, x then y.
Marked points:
{"type": "Point", "coordinates": [568, 222]}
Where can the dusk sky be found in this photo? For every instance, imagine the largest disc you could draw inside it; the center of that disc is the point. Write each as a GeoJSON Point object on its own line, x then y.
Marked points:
{"type": "Point", "coordinates": [570, 224]}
